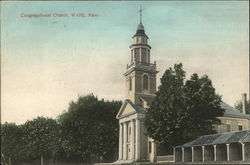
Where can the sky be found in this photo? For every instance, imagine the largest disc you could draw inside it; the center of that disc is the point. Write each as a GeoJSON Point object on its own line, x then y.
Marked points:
{"type": "Point", "coordinates": [46, 62]}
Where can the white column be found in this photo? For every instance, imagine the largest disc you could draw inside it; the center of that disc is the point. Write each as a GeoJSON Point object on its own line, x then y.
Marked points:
{"type": "Point", "coordinates": [137, 156]}
{"type": "Point", "coordinates": [228, 154]}
{"type": "Point", "coordinates": [155, 151]}
{"type": "Point", "coordinates": [174, 155]}
{"type": "Point", "coordinates": [120, 141]}
{"type": "Point", "coordinates": [192, 153]}
{"type": "Point", "coordinates": [182, 150]}
{"type": "Point", "coordinates": [125, 128]}
{"type": "Point", "coordinates": [243, 151]}
{"type": "Point", "coordinates": [132, 140]}
{"type": "Point", "coordinates": [203, 153]}
{"type": "Point", "coordinates": [215, 159]}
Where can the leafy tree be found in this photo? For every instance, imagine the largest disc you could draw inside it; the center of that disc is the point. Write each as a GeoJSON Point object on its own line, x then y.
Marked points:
{"type": "Point", "coordinates": [202, 106]}
{"type": "Point", "coordinates": [182, 111]}
{"type": "Point", "coordinates": [11, 142]}
{"type": "Point", "coordinates": [89, 128]}
{"type": "Point", "coordinates": [238, 106]}
{"type": "Point", "coordinates": [165, 115]}
{"type": "Point", "coordinates": [41, 138]}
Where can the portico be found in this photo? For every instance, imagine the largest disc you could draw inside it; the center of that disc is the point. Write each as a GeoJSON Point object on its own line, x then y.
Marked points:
{"type": "Point", "coordinates": [130, 119]}
{"type": "Point", "coordinates": [129, 140]}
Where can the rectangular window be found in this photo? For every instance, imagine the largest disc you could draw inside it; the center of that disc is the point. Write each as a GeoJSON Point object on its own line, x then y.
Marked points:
{"type": "Point", "coordinates": [143, 51]}
{"type": "Point", "coordinates": [142, 40]}
{"type": "Point", "coordinates": [144, 55]}
{"type": "Point", "coordinates": [228, 127]}
{"type": "Point", "coordinates": [137, 54]}
{"type": "Point", "coordinates": [129, 133]}
{"type": "Point", "coordinates": [240, 128]}
{"type": "Point", "coordinates": [144, 59]}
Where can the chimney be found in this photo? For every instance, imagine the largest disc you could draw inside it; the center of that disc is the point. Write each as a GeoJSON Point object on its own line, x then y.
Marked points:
{"type": "Point", "coordinates": [244, 100]}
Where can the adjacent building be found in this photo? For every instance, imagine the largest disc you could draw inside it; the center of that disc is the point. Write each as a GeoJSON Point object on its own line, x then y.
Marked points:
{"type": "Point", "coordinates": [227, 146]}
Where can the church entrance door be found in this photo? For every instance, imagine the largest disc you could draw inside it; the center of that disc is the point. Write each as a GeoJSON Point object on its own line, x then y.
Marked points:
{"type": "Point", "coordinates": [129, 152]}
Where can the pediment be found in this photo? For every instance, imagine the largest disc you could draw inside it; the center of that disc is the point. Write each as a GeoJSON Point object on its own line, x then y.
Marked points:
{"type": "Point", "coordinates": [125, 110]}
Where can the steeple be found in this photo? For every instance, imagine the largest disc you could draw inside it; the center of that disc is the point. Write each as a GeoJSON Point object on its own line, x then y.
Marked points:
{"type": "Point", "coordinates": [140, 74]}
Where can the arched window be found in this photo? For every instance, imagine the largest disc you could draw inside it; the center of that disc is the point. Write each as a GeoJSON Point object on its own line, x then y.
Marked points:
{"type": "Point", "coordinates": [145, 82]}
{"type": "Point", "coordinates": [130, 83]}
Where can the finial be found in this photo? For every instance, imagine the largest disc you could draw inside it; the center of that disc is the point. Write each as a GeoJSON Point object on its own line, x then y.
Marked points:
{"type": "Point", "coordinates": [140, 14]}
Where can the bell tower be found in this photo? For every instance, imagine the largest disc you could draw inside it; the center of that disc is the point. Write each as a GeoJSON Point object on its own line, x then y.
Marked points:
{"type": "Point", "coordinates": [140, 74]}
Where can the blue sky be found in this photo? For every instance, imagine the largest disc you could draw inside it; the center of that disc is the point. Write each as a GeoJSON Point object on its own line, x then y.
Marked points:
{"type": "Point", "coordinates": [47, 62]}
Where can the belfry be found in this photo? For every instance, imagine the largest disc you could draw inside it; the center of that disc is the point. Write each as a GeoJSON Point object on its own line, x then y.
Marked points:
{"type": "Point", "coordinates": [140, 77]}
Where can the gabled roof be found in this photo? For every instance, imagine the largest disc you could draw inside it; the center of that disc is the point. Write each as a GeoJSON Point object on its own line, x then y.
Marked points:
{"type": "Point", "coordinates": [136, 109]}
{"type": "Point", "coordinates": [222, 138]}
{"type": "Point", "coordinates": [229, 110]}
{"type": "Point", "coordinates": [148, 99]}
{"type": "Point", "coordinates": [232, 112]}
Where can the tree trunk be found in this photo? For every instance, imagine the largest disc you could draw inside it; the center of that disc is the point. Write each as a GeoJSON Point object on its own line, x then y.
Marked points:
{"type": "Point", "coordinates": [41, 159]}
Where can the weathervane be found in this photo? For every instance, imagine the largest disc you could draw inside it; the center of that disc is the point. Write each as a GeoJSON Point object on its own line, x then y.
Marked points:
{"type": "Point", "coordinates": [140, 14]}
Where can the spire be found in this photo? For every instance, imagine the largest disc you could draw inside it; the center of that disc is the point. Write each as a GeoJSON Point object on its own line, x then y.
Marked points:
{"type": "Point", "coordinates": [140, 26]}
{"type": "Point", "coordinates": [140, 15]}
{"type": "Point", "coordinates": [140, 29]}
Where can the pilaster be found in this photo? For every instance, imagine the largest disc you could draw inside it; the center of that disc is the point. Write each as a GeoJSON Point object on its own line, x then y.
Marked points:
{"type": "Point", "coordinates": [132, 139]}
{"type": "Point", "coordinates": [137, 139]}
{"type": "Point", "coordinates": [125, 128]}
{"type": "Point", "coordinates": [120, 141]}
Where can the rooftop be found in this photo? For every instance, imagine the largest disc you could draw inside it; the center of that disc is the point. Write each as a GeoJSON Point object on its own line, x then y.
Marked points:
{"type": "Point", "coordinates": [229, 110]}
{"type": "Point", "coordinates": [232, 112]}
{"type": "Point", "coordinates": [222, 138]}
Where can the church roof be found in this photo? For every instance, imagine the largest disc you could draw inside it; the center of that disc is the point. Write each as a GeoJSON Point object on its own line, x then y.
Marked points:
{"type": "Point", "coordinates": [222, 138]}
{"type": "Point", "coordinates": [229, 110]}
{"type": "Point", "coordinates": [232, 112]}
{"type": "Point", "coordinates": [132, 110]}
{"type": "Point", "coordinates": [138, 108]}
{"type": "Point", "coordinates": [140, 31]}
{"type": "Point", "coordinates": [148, 99]}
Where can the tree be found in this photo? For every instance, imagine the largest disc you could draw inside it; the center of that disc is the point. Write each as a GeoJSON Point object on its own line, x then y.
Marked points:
{"type": "Point", "coordinates": [202, 106]}
{"type": "Point", "coordinates": [90, 128]}
{"type": "Point", "coordinates": [41, 138]}
{"type": "Point", "coordinates": [11, 142]}
{"type": "Point", "coordinates": [182, 111]}
{"type": "Point", "coordinates": [162, 122]}
{"type": "Point", "coordinates": [238, 106]}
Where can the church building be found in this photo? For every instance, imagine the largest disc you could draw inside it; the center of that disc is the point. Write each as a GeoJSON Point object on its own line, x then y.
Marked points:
{"type": "Point", "coordinates": [140, 78]}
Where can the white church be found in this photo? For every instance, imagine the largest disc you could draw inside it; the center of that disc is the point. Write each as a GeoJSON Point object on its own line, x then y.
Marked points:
{"type": "Point", "coordinates": [140, 89]}
{"type": "Point", "coordinates": [140, 77]}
